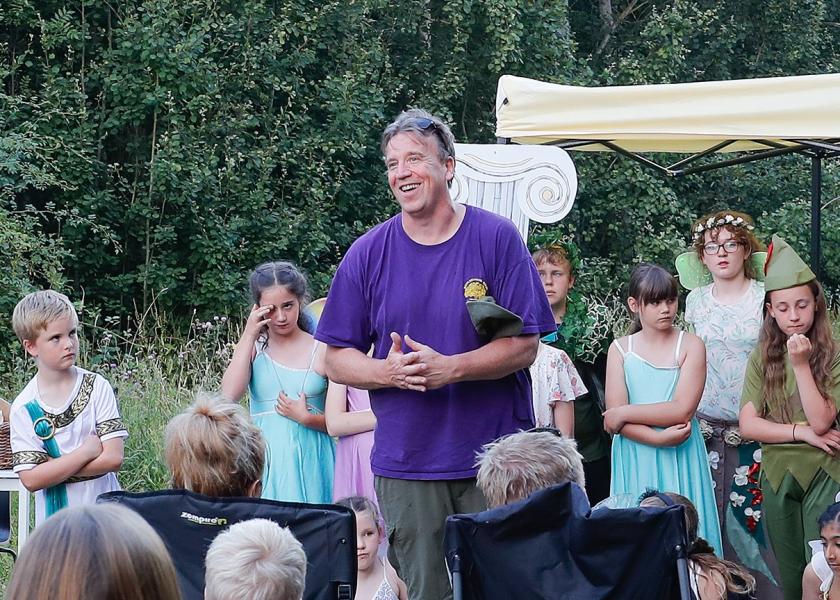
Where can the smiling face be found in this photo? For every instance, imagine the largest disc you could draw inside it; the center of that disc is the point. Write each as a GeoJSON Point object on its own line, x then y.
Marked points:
{"type": "Point", "coordinates": [56, 346]}
{"type": "Point", "coordinates": [793, 309]}
{"type": "Point", "coordinates": [724, 264]}
{"type": "Point", "coordinates": [367, 540]}
{"type": "Point", "coordinates": [284, 316]}
{"type": "Point", "coordinates": [416, 174]}
{"type": "Point", "coordinates": [830, 538]}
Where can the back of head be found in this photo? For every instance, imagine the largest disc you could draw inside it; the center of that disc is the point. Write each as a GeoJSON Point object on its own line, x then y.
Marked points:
{"type": "Point", "coordinates": [726, 575]}
{"type": "Point", "coordinates": [515, 466]}
{"type": "Point", "coordinates": [36, 310]}
{"type": "Point", "coordinates": [255, 559]}
{"type": "Point", "coordinates": [214, 449]}
{"type": "Point", "coordinates": [101, 551]}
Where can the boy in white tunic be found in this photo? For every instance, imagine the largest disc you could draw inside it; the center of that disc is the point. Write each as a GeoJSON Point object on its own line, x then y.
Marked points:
{"type": "Point", "coordinates": [66, 432]}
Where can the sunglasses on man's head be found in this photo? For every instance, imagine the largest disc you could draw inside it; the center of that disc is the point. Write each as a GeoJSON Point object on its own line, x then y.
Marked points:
{"type": "Point", "coordinates": [425, 124]}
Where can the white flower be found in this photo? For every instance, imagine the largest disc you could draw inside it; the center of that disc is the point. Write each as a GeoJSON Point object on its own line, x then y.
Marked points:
{"type": "Point", "coordinates": [699, 227]}
{"type": "Point", "coordinates": [738, 221]}
{"type": "Point", "coordinates": [714, 459]}
{"type": "Point", "coordinates": [748, 512]}
{"type": "Point", "coordinates": [710, 223]}
{"type": "Point", "coordinates": [714, 484]}
{"type": "Point", "coordinates": [757, 456]}
{"type": "Point", "coordinates": [729, 218]}
{"type": "Point", "coordinates": [741, 475]}
{"type": "Point", "coordinates": [736, 499]}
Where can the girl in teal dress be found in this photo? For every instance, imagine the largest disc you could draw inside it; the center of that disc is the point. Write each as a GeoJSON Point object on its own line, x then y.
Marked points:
{"type": "Point", "coordinates": [655, 378]}
{"type": "Point", "coordinates": [282, 366]}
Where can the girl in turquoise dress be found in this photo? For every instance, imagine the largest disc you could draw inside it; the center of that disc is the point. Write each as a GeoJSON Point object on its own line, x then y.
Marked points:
{"type": "Point", "coordinates": [655, 378]}
{"type": "Point", "coordinates": [282, 366]}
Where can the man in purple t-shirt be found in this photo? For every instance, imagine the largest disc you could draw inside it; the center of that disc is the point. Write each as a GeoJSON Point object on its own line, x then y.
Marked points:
{"type": "Point", "coordinates": [438, 389]}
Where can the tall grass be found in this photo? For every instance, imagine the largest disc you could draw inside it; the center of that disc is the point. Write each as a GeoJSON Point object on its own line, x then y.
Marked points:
{"type": "Point", "coordinates": [156, 369]}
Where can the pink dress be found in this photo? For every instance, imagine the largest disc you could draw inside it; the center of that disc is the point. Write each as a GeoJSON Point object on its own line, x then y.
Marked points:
{"type": "Point", "coordinates": [353, 476]}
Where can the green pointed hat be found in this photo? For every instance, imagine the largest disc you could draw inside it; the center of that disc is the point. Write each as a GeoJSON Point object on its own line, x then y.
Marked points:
{"type": "Point", "coordinates": [784, 268]}
{"type": "Point", "coordinates": [493, 321]}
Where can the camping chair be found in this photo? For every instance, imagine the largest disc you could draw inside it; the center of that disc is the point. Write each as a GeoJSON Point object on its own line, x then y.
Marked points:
{"type": "Point", "coordinates": [551, 546]}
{"type": "Point", "coordinates": [189, 522]}
{"type": "Point", "coordinates": [6, 524]}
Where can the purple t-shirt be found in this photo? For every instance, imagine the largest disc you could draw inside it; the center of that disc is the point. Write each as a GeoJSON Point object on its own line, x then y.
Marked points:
{"type": "Point", "coordinates": [388, 282]}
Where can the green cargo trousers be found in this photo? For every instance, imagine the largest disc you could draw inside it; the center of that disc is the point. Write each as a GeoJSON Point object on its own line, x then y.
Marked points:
{"type": "Point", "coordinates": [790, 515]}
{"type": "Point", "coordinates": [415, 513]}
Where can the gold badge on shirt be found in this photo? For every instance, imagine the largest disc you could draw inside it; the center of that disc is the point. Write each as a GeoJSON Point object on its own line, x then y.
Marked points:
{"type": "Point", "coordinates": [475, 289]}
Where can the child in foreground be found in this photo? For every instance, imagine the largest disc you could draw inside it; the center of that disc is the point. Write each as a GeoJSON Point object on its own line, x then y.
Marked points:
{"type": "Point", "coordinates": [377, 579]}
{"type": "Point", "coordinates": [97, 552]}
{"type": "Point", "coordinates": [818, 580]}
{"type": "Point", "coordinates": [655, 378]}
{"type": "Point", "coordinates": [66, 432]}
{"type": "Point", "coordinates": [710, 577]}
{"type": "Point", "coordinates": [789, 404]}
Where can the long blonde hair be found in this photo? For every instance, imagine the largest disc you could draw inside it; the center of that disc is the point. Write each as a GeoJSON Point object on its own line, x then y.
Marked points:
{"type": "Point", "coordinates": [772, 342]}
{"type": "Point", "coordinates": [101, 551]}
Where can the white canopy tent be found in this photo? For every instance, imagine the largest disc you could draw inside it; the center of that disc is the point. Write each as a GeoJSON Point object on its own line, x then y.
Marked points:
{"type": "Point", "coordinates": [753, 118]}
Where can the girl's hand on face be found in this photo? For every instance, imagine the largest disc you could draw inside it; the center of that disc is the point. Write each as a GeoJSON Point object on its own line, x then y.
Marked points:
{"type": "Point", "coordinates": [295, 410]}
{"type": "Point", "coordinates": [257, 320]}
{"type": "Point", "coordinates": [829, 442]}
{"type": "Point", "coordinates": [676, 434]}
{"type": "Point", "coordinates": [799, 349]}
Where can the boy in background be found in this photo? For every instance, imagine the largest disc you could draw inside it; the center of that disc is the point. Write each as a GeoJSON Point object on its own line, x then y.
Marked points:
{"type": "Point", "coordinates": [66, 432]}
{"type": "Point", "coordinates": [558, 264]}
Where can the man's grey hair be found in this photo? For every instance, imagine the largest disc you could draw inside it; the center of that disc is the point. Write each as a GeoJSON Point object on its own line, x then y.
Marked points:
{"type": "Point", "coordinates": [255, 559]}
{"type": "Point", "coordinates": [407, 122]}
{"type": "Point", "coordinates": [516, 465]}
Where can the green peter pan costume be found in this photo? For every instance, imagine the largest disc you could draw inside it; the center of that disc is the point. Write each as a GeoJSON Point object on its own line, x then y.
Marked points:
{"type": "Point", "coordinates": [798, 481]}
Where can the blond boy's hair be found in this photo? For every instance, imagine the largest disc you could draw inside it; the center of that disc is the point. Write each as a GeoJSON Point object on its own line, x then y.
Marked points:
{"type": "Point", "coordinates": [255, 559]}
{"type": "Point", "coordinates": [37, 310]}
{"type": "Point", "coordinates": [213, 448]}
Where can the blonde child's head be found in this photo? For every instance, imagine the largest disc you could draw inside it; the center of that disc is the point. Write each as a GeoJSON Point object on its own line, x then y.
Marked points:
{"type": "Point", "coordinates": [517, 465]}
{"type": "Point", "coordinates": [94, 551]}
{"type": "Point", "coordinates": [37, 310]}
{"type": "Point", "coordinates": [214, 449]}
{"type": "Point", "coordinates": [368, 529]}
{"type": "Point", "coordinates": [255, 559]}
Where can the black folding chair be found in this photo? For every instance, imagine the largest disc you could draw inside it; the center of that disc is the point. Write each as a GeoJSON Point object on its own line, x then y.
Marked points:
{"type": "Point", "coordinates": [550, 546]}
{"type": "Point", "coordinates": [6, 524]}
{"type": "Point", "coordinates": [189, 522]}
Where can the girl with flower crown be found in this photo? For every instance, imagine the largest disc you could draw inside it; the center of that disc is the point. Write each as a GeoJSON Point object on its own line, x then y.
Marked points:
{"type": "Point", "coordinates": [790, 403]}
{"type": "Point", "coordinates": [724, 272]}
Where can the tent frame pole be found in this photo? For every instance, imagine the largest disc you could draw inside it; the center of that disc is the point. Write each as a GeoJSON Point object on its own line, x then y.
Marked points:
{"type": "Point", "coordinates": [816, 213]}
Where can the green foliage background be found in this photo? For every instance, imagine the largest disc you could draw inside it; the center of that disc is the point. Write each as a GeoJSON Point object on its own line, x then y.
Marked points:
{"type": "Point", "coordinates": [159, 149]}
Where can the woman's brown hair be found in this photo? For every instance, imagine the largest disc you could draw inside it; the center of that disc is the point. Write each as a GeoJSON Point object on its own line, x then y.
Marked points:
{"type": "Point", "coordinates": [101, 551]}
{"type": "Point", "coordinates": [743, 234]}
{"type": "Point", "coordinates": [772, 342]}
{"type": "Point", "coordinates": [733, 576]}
{"type": "Point", "coordinates": [213, 448]}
